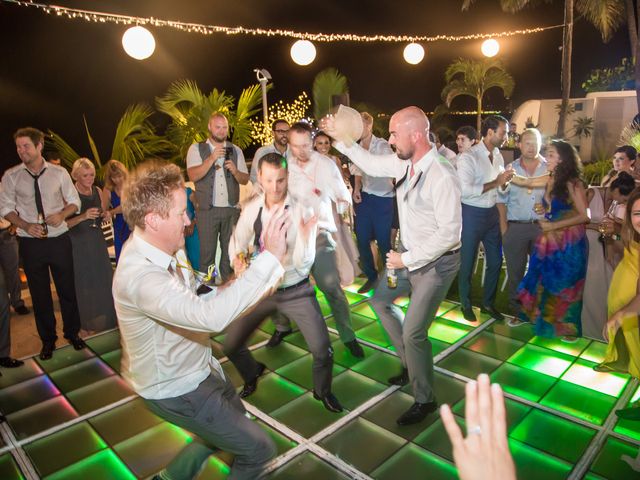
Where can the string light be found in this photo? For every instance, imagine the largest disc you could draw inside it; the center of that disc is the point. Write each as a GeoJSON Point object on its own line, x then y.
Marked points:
{"type": "Point", "coordinates": [290, 112]}
{"type": "Point", "coordinates": [119, 19]}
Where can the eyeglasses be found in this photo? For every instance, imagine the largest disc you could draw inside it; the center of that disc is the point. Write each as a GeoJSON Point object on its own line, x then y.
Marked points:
{"type": "Point", "coordinates": [281, 132]}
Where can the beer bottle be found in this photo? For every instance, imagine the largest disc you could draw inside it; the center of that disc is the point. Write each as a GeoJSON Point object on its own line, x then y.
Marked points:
{"type": "Point", "coordinates": [43, 224]}
{"type": "Point", "coordinates": [392, 277]}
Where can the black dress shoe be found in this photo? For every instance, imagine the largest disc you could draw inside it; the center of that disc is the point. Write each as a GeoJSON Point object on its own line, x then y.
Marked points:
{"type": "Point", "coordinates": [277, 337]}
{"type": "Point", "coordinates": [401, 379]}
{"type": "Point", "coordinates": [47, 351]}
{"type": "Point", "coordinates": [355, 348]}
{"type": "Point", "coordinates": [368, 285]}
{"type": "Point", "coordinates": [417, 413]}
{"type": "Point", "coordinates": [251, 386]}
{"type": "Point", "coordinates": [8, 362]}
{"type": "Point", "coordinates": [631, 413]}
{"type": "Point", "coordinates": [490, 310]}
{"type": "Point", "coordinates": [468, 315]}
{"type": "Point", "coordinates": [330, 402]}
{"type": "Point", "coordinates": [77, 342]}
{"type": "Point", "coordinates": [22, 310]}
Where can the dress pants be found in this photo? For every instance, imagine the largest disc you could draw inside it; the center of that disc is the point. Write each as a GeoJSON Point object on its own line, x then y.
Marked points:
{"type": "Point", "coordinates": [299, 303]}
{"type": "Point", "coordinates": [374, 216]}
{"type": "Point", "coordinates": [9, 263]}
{"type": "Point", "coordinates": [215, 413]}
{"type": "Point", "coordinates": [213, 224]}
{"type": "Point", "coordinates": [480, 225]}
{"type": "Point", "coordinates": [428, 286]}
{"type": "Point", "coordinates": [5, 319]}
{"type": "Point", "coordinates": [39, 255]}
{"type": "Point", "coordinates": [518, 243]}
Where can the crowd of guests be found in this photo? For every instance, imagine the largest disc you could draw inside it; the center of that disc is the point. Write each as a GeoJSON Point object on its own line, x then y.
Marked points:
{"type": "Point", "coordinates": [327, 206]}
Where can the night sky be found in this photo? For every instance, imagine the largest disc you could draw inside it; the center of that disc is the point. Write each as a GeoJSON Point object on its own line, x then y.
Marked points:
{"type": "Point", "coordinates": [54, 69]}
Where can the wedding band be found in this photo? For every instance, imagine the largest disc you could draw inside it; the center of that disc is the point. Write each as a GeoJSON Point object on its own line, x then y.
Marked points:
{"type": "Point", "coordinates": [474, 431]}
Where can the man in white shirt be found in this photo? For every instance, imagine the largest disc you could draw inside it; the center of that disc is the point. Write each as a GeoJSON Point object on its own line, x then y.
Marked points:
{"type": "Point", "coordinates": [217, 168]}
{"type": "Point", "coordinates": [165, 325]}
{"type": "Point", "coordinates": [373, 205]}
{"type": "Point", "coordinates": [280, 129]}
{"type": "Point", "coordinates": [481, 172]}
{"type": "Point", "coordinates": [428, 194]}
{"type": "Point", "coordinates": [37, 197]}
{"type": "Point", "coordinates": [315, 182]}
{"type": "Point", "coordinates": [295, 297]}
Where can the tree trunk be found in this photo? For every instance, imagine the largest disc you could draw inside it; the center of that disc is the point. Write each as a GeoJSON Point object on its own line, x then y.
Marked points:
{"type": "Point", "coordinates": [479, 117]}
{"type": "Point", "coordinates": [632, 26]}
{"type": "Point", "coordinates": [567, 44]}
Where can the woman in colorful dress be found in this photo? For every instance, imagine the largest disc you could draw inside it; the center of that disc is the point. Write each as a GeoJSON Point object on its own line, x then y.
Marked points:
{"type": "Point", "coordinates": [114, 178]}
{"type": "Point", "coordinates": [551, 292]}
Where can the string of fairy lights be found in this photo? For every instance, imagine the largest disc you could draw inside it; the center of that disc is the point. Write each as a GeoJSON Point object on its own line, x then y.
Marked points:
{"type": "Point", "coordinates": [302, 51]}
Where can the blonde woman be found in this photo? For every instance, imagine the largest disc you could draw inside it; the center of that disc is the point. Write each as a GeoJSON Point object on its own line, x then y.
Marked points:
{"type": "Point", "coordinates": [114, 178]}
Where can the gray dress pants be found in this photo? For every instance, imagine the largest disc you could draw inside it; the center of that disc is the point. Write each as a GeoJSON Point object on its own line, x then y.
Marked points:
{"type": "Point", "coordinates": [9, 263]}
{"type": "Point", "coordinates": [213, 224]}
{"type": "Point", "coordinates": [215, 413]}
{"type": "Point", "coordinates": [517, 246]}
{"type": "Point", "coordinates": [428, 287]}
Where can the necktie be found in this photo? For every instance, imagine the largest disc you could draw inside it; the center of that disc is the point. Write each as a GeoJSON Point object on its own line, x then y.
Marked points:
{"type": "Point", "coordinates": [36, 188]}
{"type": "Point", "coordinates": [176, 271]}
{"type": "Point", "coordinates": [257, 230]}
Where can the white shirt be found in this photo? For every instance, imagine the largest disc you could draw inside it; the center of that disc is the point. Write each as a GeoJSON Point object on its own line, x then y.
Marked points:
{"type": "Point", "coordinates": [300, 255]}
{"type": "Point", "coordinates": [315, 184]}
{"type": "Point", "coordinates": [17, 194]}
{"type": "Point", "coordinates": [220, 194]}
{"type": "Point", "coordinates": [378, 186]}
{"type": "Point", "coordinates": [261, 152]}
{"type": "Point", "coordinates": [428, 203]}
{"type": "Point", "coordinates": [474, 170]}
{"type": "Point", "coordinates": [449, 154]}
{"type": "Point", "coordinates": [165, 326]}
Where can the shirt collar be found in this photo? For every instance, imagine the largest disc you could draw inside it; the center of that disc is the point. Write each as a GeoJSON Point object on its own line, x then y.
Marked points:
{"type": "Point", "coordinates": [484, 148]}
{"type": "Point", "coordinates": [151, 253]}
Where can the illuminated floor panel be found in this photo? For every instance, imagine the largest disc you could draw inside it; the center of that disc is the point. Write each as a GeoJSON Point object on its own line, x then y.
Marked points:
{"type": "Point", "coordinates": [541, 360]}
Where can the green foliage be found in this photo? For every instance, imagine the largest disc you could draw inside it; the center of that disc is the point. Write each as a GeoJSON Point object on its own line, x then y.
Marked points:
{"type": "Point", "coordinates": [67, 154]}
{"type": "Point", "coordinates": [594, 171]}
{"type": "Point", "coordinates": [631, 135]}
{"type": "Point", "coordinates": [621, 77]}
{"type": "Point", "coordinates": [327, 83]}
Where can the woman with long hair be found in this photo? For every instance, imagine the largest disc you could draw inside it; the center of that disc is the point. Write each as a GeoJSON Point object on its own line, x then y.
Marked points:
{"type": "Point", "coordinates": [114, 177]}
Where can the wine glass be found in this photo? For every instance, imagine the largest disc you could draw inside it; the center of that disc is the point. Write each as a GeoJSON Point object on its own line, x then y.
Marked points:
{"type": "Point", "coordinates": [94, 223]}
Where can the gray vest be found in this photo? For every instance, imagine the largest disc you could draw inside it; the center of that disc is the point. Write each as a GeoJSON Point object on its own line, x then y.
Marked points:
{"type": "Point", "coordinates": [204, 186]}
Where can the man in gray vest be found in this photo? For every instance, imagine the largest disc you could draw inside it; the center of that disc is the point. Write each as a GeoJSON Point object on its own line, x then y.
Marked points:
{"type": "Point", "coordinates": [217, 168]}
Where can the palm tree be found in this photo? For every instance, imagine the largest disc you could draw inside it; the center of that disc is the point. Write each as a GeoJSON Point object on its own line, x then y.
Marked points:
{"type": "Point", "coordinates": [134, 140]}
{"type": "Point", "coordinates": [328, 82]}
{"type": "Point", "coordinates": [190, 110]}
{"type": "Point", "coordinates": [473, 78]}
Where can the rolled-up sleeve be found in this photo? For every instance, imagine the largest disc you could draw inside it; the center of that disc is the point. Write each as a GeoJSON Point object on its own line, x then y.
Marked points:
{"type": "Point", "coordinates": [7, 195]}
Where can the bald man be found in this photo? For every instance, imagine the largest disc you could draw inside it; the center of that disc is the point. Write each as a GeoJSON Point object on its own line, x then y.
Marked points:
{"type": "Point", "coordinates": [428, 193]}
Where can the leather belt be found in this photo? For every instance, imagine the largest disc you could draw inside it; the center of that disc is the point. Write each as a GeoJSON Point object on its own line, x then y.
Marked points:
{"type": "Point", "coordinates": [527, 222]}
{"type": "Point", "coordinates": [451, 252]}
{"type": "Point", "coordinates": [295, 285]}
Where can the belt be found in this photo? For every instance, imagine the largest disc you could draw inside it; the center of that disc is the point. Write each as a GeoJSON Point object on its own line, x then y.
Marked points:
{"type": "Point", "coordinates": [451, 252]}
{"type": "Point", "coordinates": [296, 285]}
{"type": "Point", "coordinates": [523, 221]}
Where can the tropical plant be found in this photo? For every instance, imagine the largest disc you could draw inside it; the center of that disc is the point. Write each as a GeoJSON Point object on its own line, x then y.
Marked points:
{"type": "Point", "coordinates": [134, 140]}
{"type": "Point", "coordinates": [593, 172]}
{"type": "Point", "coordinates": [621, 77]}
{"type": "Point", "coordinates": [583, 127]}
{"type": "Point", "coordinates": [326, 84]}
{"type": "Point", "coordinates": [631, 135]}
{"type": "Point", "coordinates": [190, 109]}
{"type": "Point", "coordinates": [473, 78]}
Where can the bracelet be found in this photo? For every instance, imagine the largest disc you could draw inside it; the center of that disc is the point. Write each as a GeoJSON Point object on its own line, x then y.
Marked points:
{"type": "Point", "coordinates": [615, 236]}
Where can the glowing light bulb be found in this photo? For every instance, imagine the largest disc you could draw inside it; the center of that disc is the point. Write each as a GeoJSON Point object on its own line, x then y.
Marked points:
{"type": "Point", "coordinates": [303, 52]}
{"type": "Point", "coordinates": [490, 48]}
{"type": "Point", "coordinates": [138, 42]}
{"type": "Point", "coordinates": [413, 53]}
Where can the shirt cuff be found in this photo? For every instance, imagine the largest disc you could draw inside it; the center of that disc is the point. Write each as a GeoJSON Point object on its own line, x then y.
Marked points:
{"type": "Point", "coordinates": [268, 267]}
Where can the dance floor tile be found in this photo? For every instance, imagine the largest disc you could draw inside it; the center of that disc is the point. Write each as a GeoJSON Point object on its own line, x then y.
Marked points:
{"type": "Point", "coordinates": [297, 339]}
{"type": "Point", "coordinates": [374, 333]}
{"type": "Point", "coordinates": [150, 451]}
{"type": "Point", "coordinates": [447, 331]}
{"type": "Point", "coordinates": [325, 308]}
{"type": "Point", "coordinates": [413, 462]}
{"type": "Point", "coordinates": [493, 345]}
{"type": "Point", "coordinates": [41, 417]}
{"type": "Point", "coordinates": [531, 464]}
{"type": "Point", "coordinates": [256, 337]}
{"type": "Point", "coordinates": [27, 393]}
{"type": "Point", "coordinates": [455, 315]}
{"type": "Point", "coordinates": [11, 376]}
{"type": "Point", "coordinates": [309, 467]}
{"type": "Point", "coordinates": [448, 389]}
{"type": "Point", "coordinates": [366, 310]}
{"type": "Point", "coordinates": [354, 297]}
{"type": "Point", "coordinates": [579, 401]}
{"type": "Point", "coordinates": [402, 302]}
{"type": "Point", "coordinates": [595, 352]}
{"type": "Point", "coordinates": [524, 333]}
{"type": "Point", "coordinates": [107, 342]}
{"type": "Point", "coordinates": [582, 373]}
{"type": "Point", "coordinates": [306, 415]}
{"type": "Point", "coordinates": [124, 421]}
{"type": "Point", "coordinates": [386, 412]}
{"type": "Point", "coordinates": [104, 465]}
{"type": "Point", "coordinates": [347, 444]}
{"type": "Point", "coordinates": [548, 433]}
{"type": "Point", "coordinates": [609, 461]}
{"type": "Point", "coordinates": [113, 359]}
{"type": "Point", "coordinates": [273, 392]}
{"type": "Point", "coordinates": [214, 469]}
{"type": "Point", "coordinates": [64, 357]}
{"type": "Point", "coordinates": [557, 345]}
{"type": "Point", "coordinates": [435, 439]}
{"type": "Point", "coordinates": [81, 374]}
{"type": "Point", "coordinates": [343, 356]}
{"type": "Point", "coordinates": [380, 366]}
{"type": "Point", "coordinates": [628, 428]}
{"type": "Point", "coordinates": [99, 394]}
{"type": "Point", "coordinates": [522, 382]}
{"type": "Point", "coordinates": [541, 360]}
{"type": "Point", "coordinates": [283, 444]}
{"type": "Point", "coordinates": [357, 322]}
{"type": "Point", "coordinates": [516, 411]}
{"type": "Point", "coordinates": [437, 346]}
{"type": "Point", "coordinates": [468, 363]}
{"type": "Point", "coordinates": [276, 357]}
{"type": "Point", "coordinates": [353, 389]}
{"type": "Point", "coordinates": [300, 371]}
{"type": "Point", "coordinates": [445, 307]}
{"type": "Point", "coordinates": [64, 448]}
{"type": "Point", "coordinates": [232, 374]}
{"type": "Point", "coordinates": [9, 469]}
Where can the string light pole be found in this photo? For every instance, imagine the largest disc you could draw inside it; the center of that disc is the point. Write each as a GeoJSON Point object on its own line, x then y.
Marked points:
{"type": "Point", "coordinates": [263, 77]}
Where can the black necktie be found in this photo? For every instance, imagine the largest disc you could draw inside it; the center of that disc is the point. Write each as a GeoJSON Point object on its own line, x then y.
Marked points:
{"type": "Point", "coordinates": [257, 230]}
{"type": "Point", "coordinates": [36, 187]}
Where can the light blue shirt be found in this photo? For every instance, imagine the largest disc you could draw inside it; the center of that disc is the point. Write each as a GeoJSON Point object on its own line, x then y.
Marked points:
{"type": "Point", "coordinates": [521, 200]}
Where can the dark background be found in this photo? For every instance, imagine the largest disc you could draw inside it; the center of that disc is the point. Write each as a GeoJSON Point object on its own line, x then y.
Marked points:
{"type": "Point", "coordinates": [54, 69]}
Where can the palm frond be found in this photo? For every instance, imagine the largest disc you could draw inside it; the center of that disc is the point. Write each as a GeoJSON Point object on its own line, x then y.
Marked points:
{"type": "Point", "coordinates": [181, 96]}
{"type": "Point", "coordinates": [499, 79]}
{"type": "Point", "coordinates": [92, 144]}
{"type": "Point", "coordinates": [67, 154]}
{"type": "Point", "coordinates": [248, 106]}
{"type": "Point", "coordinates": [456, 88]}
{"type": "Point", "coordinates": [327, 83]}
{"type": "Point", "coordinates": [605, 15]}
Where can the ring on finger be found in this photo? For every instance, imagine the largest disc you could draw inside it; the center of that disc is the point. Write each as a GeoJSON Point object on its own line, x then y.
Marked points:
{"type": "Point", "coordinates": [476, 430]}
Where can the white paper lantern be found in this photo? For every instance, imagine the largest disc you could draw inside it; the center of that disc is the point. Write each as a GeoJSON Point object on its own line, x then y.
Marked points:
{"type": "Point", "coordinates": [413, 53]}
{"type": "Point", "coordinates": [490, 48]}
{"type": "Point", "coordinates": [138, 42]}
{"type": "Point", "coordinates": [303, 52]}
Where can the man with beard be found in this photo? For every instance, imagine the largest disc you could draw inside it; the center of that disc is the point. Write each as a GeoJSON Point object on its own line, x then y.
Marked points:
{"type": "Point", "coordinates": [280, 129]}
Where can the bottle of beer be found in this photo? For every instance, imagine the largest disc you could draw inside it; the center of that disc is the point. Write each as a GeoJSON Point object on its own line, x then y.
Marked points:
{"type": "Point", "coordinates": [392, 278]}
{"type": "Point", "coordinates": [43, 224]}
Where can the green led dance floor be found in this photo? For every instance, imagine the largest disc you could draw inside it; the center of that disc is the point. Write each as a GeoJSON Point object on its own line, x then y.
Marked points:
{"type": "Point", "coordinates": [74, 417]}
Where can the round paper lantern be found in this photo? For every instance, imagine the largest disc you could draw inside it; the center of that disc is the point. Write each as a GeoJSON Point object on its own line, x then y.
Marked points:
{"type": "Point", "coordinates": [138, 42]}
{"type": "Point", "coordinates": [303, 52]}
{"type": "Point", "coordinates": [413, 53]}
{"type": "Point", "coordinates": [490, 48]}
